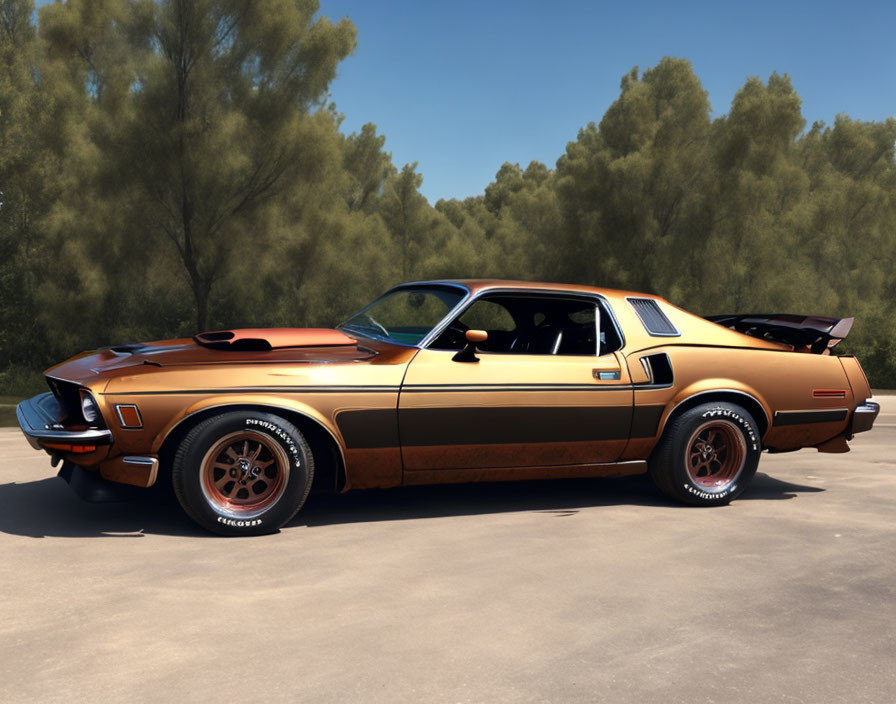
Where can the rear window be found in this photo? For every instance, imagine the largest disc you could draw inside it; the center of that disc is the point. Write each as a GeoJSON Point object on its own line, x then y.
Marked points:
{"type": "Point", "coordinates": [653, 318]}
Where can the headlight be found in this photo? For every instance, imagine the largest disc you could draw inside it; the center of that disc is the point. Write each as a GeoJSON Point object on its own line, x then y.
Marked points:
{"type": "Point", "coordinates": [89, 409]}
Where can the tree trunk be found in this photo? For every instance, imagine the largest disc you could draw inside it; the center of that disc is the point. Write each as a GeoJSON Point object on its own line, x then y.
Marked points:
{"type": "Point", "coordinates": [201, 296]}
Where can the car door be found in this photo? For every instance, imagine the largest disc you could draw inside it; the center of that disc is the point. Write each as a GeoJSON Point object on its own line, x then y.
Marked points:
{"type": "Point", "coordinates": [540, 394]}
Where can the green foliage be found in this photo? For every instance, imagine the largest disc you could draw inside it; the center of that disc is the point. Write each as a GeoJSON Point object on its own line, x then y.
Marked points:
{"type": "Point", "coordinates": [172, 165]}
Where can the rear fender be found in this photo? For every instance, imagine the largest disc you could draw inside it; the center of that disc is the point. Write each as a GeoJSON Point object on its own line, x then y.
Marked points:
{"type": "Point", "coordinates": [704, 390]}
{"type": "Point", "coordinates": [858, 382]}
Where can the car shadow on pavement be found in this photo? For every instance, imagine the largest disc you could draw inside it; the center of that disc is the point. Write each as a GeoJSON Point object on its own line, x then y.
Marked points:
{"type": "Point", "coordinates": [765, 487]}
{"type": "Point", "coordinates": [560, 497]}
{"type": "Point", "coordinates": [48, 508]}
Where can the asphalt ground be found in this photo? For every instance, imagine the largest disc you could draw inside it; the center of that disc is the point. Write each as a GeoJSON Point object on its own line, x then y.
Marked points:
{"type": "Point", "coordinates": [562, 591]}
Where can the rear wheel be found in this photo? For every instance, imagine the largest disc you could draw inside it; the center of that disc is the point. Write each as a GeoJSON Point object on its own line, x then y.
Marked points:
{"type": "Point", "coordinates": [243, 472]}
{"type": "Point", "coordinates": [707, 455]}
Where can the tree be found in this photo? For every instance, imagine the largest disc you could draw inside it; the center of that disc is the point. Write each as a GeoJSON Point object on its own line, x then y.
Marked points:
{"type": "Point", "coordinates": [368, 167]}
{"type": "Point", "coordinates": [408, 216]}
{"type": "Point", "coordinates": [633, 186]}
{"type": "Point", "coordinates": [219, 97]}
{"type": "Point", "coordinates": [27, 186]}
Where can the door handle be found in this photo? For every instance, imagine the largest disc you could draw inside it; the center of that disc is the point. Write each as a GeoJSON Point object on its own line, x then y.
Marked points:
{"type": "Point", "coordinates": [604, 375]}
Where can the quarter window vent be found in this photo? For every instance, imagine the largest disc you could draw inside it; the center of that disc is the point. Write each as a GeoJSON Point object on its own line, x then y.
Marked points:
{"type": "Point", "coordinates": [654, 320]}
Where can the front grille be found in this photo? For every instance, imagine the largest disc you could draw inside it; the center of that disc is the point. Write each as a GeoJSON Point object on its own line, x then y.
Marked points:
{"type": "Point", "coordinates": [68, 394]}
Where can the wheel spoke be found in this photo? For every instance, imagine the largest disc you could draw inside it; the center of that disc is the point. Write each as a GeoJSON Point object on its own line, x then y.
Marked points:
{"type": "Point", "coordinates": [237, 492]}
{"type": "Point", "coordinates": [716, 454]}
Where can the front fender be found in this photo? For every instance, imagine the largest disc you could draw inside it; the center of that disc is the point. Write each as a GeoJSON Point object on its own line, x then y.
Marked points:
{"type": "Point", "coordinates": [221, 402]}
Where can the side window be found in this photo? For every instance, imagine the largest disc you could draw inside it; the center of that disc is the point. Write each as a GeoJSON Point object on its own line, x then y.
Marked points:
{"type": "Point", "coordinates": [488, 315]}
{"type": "Point", "coordinates": [610, 340]}
{"type": "Point", "coordinates": [520, 324]}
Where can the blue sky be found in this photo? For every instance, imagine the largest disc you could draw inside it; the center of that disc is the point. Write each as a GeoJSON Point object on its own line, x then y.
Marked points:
{"type": "Point", "coordinates": [462, 87]}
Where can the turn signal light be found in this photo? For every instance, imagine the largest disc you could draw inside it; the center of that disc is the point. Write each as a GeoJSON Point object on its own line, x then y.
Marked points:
{"type": "Point", "coordinates": [66, 447]}
{"type": "Point", "coordinates": [128, 415]}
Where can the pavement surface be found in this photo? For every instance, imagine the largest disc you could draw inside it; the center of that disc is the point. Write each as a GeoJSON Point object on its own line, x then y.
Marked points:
{"type": "Point", "coordinates": [561, 591]}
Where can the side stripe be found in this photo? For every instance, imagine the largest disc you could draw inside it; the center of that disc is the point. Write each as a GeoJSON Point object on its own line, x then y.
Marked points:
{"type": "Point", "coordinates": [826, 415]}
{"type": "Point", "coordinates": [494, 425]}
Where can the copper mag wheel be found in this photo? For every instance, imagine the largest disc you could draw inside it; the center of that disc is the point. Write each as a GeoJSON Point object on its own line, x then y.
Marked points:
{"type": "Point", "coordinates": [716, 455]}
{"type": "Point", "coordinates": [244, 474]}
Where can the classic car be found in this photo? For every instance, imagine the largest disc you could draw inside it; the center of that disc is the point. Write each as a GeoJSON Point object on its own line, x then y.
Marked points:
{"type": "Point", "coordinates": [451, 381]}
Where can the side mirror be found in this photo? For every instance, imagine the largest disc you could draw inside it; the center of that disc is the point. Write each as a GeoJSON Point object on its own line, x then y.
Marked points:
{"type": "Point", "coordinates": [468, 353]}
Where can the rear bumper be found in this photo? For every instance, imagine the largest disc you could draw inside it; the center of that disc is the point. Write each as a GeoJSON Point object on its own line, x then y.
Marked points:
{"type": "Point", "coordinates": [39, 418]}
{"type": "Point", "coordinates": [864, 416]}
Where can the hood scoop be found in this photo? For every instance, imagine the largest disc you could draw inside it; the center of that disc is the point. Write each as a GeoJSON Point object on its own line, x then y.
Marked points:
{"type": "Point", "coordinates": [264, 339]}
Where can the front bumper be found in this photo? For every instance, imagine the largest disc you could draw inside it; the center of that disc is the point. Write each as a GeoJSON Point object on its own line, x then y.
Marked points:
{"type": "Point", "coordinates": [864, 416]}
{"type": "Point", "coordinates": [39, 418]}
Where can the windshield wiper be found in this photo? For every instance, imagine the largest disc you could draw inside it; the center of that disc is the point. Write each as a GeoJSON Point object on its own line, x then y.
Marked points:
{"type": "Point", "coordinates": [363, 330]}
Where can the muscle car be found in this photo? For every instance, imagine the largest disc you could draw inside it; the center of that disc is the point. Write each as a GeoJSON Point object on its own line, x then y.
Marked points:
{"type": "Point", "coordinates": [451, 381]}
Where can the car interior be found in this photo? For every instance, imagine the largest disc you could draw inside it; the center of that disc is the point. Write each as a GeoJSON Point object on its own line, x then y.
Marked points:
{"type": "Point", "coordinates": [525, 324]}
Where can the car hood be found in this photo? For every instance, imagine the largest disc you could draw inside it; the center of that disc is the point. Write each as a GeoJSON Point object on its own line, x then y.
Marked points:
{"type": "Point", "coordinates": [309, 347]}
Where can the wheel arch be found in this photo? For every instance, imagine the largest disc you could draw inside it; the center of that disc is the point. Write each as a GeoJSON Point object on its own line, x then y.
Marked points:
{"type": "Point", "coordinates": [738, 397]}
{"type": "Point", "coordinates": [329, 460]}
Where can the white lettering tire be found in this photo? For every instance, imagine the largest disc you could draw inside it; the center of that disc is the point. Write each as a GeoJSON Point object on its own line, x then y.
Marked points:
{"type": "Point", "coordinates": [243, 472]}
{"type": "Point", "coordinates": [707, 455]}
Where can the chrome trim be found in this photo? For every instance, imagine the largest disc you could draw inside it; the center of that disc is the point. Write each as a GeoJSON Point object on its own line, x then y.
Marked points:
{"type": "Point", "coordinates": [677, 332]}
{"type": "Point", "coordinates": [140, 460]}
{"type": "Point", "coordinates": [465, 304]}
{"type": "Point", "coordinates": [125, 426]}
{"type": "Point", "coordinates": [414, 284]}
{"type": "Point", "coordinates": [648, 370]}
{"type": "Point", "coordinates": [38, 418]}
{"type": "Point", "coordinates": [152, 463]}
{"type": "Point", "coordinates": [439, 388]}
{"type": "Point", "coordinates": [768, 420]}
{"type": "Point", "coordinates": [263, 390]}
{"type": "Point", "coordinates": [449, 316]}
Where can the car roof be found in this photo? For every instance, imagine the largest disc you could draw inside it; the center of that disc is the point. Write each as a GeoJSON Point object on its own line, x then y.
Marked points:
{"type": "Point", "coordinates": [476, 285]}
{"type": "Point", "coordinates": [691, 329]}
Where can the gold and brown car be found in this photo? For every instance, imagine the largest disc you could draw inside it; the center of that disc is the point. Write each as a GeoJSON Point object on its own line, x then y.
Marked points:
{"type": "Point", "coordinates": [451, 381]}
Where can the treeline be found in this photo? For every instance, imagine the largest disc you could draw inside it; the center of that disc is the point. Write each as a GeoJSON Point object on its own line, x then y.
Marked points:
{"type": "Point", "coordinates": [173, 166]}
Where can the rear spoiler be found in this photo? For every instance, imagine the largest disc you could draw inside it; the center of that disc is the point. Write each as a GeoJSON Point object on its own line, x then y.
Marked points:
{"type": "Point", "coordinates": [817, 335]}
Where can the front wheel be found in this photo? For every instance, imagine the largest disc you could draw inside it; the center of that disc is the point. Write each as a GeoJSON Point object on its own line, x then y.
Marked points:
{"type": "Point", "coordinates": [243, 472]}
{"type": "Point", "coordinates": [707, 455]}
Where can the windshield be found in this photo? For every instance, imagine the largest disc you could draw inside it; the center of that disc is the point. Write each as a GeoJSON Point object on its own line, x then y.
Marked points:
{"type": "Point", "coordinates": [405, 315]}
